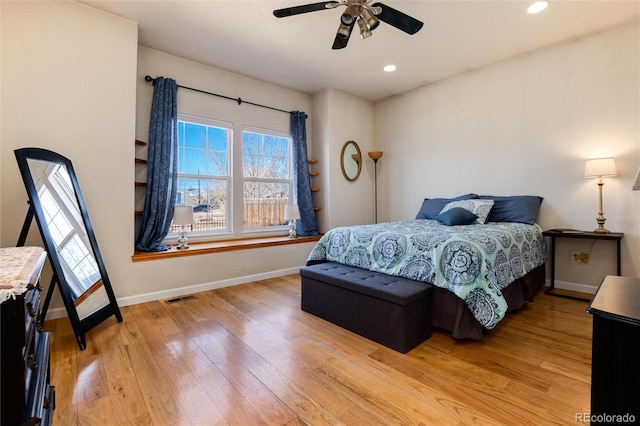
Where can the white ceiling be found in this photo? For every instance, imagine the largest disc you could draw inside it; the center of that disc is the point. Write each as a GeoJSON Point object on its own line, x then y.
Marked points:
{"type": "Point", "coordinates": [295, 52]}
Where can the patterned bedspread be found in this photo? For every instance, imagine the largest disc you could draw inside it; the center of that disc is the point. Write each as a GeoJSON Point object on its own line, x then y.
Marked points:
{"type": "Point", "coordinates": [474, 261]}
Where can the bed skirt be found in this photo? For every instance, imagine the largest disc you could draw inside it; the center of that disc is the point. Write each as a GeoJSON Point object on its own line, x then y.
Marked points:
{"type": "Point", "coordinates": [449, 312]}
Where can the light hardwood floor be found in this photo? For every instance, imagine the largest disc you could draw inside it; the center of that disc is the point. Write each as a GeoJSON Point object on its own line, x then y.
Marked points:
{"type": "Point", "coordinates": [248, 355]}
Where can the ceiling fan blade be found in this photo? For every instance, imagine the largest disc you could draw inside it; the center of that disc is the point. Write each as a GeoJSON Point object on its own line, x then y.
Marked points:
{"type": "Point", "coordinates": [398, 19]}
{"type": "Point", "coordinates": [296, 10]}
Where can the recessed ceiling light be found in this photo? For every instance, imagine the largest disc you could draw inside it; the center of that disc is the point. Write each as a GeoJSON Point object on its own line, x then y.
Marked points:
{"type": "Point", "coordinates": [537, 7]}
{"type": "Point", "coordinates": [389, 68]}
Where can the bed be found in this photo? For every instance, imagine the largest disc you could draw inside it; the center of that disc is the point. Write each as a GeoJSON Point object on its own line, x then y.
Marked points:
{"type": "Point", "coordinates": [484, 255]}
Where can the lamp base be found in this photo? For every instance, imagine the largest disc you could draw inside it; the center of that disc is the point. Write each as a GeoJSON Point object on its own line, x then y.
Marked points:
{"type": "Point", "coordinates": [183, 242]}
{"type": "Point", "coordinates": [601, 220]}
{"type": "Point", "coordinates": [292, 229]}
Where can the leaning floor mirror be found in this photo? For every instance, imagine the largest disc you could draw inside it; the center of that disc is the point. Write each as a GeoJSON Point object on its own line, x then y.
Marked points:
{"type": "Point", "coordinates": [56, 203]}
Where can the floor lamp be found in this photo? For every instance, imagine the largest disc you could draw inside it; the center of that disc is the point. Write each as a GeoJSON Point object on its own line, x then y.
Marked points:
{"type": "Point", "coordinates": [375, 156]}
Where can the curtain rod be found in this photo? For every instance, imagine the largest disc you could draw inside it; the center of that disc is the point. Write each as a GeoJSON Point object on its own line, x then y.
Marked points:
{"type": "Point", "coordinates": [150, 79]}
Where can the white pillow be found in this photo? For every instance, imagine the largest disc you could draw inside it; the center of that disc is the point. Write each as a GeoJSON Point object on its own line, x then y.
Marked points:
{"type": "Point", "coordinates": [480, 208]}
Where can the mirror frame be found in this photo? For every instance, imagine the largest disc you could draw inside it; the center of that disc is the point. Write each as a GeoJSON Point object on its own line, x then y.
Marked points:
{"type": "Point", "coordinates": [80, 326]}
{"type": "Point", "coordinates": [343, 161]}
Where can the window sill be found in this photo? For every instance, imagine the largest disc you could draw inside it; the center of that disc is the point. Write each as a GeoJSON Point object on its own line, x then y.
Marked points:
{"type": "Point", "coordinates": [222, 246]}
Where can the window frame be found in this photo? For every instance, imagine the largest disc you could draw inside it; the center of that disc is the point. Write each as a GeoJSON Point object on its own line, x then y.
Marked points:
{"type": "Point", "coordinates": [206, 235]}
{"type": "Point", "coordinates": [271, 230]}
{"type": "Point", "coordinates": [235, 184]}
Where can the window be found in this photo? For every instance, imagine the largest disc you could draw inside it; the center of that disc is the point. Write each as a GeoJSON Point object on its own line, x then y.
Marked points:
{"type": "Point", "coordinates": [266, 169]}
{"type": "Point", "coordinates": [247, 198]}
{"type": "Point", "coordinates": [203, 172]}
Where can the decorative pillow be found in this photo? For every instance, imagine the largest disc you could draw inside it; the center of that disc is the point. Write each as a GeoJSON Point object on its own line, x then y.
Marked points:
{"type": "Point", "coordinates": [456, 216]}
{"type": "Point", "coordinates": [516, 208]}
{"type": "Point", "coordinates": [481, 208]}
{"type": "Point", "coordinates": [431, 207]}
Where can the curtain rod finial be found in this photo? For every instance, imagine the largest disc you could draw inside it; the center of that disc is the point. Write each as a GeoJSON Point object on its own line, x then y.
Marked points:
{"type": "Point", "coordinates": [148, 78]}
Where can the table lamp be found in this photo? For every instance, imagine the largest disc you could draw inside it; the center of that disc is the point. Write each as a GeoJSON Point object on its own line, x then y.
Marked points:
{"type": "Point", "coordinates": [599, 168]}
{"type": "Point", "coordinates": [183, 215]}
{"type": "Point", "coordinates": [291, 213]}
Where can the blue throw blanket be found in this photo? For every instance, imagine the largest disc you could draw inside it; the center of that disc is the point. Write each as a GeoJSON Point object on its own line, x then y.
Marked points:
{"type": "Point", "coordinates": [474, 261]}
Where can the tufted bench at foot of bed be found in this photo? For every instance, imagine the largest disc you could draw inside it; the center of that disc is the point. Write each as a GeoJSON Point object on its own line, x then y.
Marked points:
{"type": "Point", "coordinates": [393, 311]}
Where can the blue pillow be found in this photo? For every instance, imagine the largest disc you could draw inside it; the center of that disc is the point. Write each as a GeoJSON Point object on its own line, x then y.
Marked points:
{"type": "Point", "coordinates": [516, 208]}
{"type": "Point", "coordinates": [456, 216]}
{"type": "Point", "coordinates": [432, 207]}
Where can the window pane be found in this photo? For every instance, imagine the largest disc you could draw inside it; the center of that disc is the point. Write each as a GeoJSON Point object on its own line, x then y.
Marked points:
{"type": "Point", "coordinates": [264, 203]}
{"type": "Point", "coordinates": [266, 160]}
{"type": "Point", "coordinates": [265, 156]}
{"type": "Point", "coordinates": [193, 161]}
{"type": "Point", "coordinates": [209, 200]}
{"type": "Point", "coordinates": [203, 173]}
{"type": "Point", "coordinates": [195, 135]}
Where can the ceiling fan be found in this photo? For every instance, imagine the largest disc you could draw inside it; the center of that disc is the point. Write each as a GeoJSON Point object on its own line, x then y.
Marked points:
{"type": "Point", "coordinates": [362, 12]}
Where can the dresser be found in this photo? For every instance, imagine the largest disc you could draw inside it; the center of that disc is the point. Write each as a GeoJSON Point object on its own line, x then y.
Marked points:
{"type": "Point", "coordinates": [615, 370]}
{"type": "Point", "coordinates": [26, 397]}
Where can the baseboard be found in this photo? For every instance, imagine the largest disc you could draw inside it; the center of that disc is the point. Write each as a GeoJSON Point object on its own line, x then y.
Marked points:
{"type": "Point", "coordinates": [175, 292]}
{"type": "Point", "coordinates": [566, 285]}
{"type": "Point", "coordinates": [61, 312]}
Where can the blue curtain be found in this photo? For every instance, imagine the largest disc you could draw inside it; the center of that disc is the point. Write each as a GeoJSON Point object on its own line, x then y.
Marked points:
{"type": "Point", "coordinates": [162, 167]}
{"type": "Point", "coordinates": [306, 225]}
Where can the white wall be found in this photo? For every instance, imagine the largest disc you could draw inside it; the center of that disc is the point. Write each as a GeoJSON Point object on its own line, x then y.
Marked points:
{"type": "Point", "coordinates": [68, 85]}
{"type": "Point", "coordinates": [341, 118]}
{"type": "Point", "coordinates": [526, 126]}
{"type": "Point", "coordinates": [72, 82]}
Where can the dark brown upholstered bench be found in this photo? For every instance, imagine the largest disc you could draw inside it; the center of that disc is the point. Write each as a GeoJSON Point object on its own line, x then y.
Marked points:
{"type": "Point", "coordinates": [393, 311]}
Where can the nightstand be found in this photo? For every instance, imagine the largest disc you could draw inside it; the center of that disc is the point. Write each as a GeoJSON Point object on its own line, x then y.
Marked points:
{"type": "Point", "coordinates": [586, 235]}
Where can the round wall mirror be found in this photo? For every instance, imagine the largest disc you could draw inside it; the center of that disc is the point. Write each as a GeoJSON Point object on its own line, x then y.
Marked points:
{"type": "Point", "coordinates": [351, 161]}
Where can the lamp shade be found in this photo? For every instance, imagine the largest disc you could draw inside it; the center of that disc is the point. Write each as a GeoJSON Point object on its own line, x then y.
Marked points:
{"type": "Point", "coordinates": [183, 215]}
{"type": "Point", "coordinates": [600, 167]}
{"type": "Point", "coordinates": [291, 213]}
{"type": "Point", "coordinates": [375, 155]}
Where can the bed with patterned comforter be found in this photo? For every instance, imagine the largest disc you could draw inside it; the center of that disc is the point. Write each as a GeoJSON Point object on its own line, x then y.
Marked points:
{"type": "Point", "coordinates": [475, 262]}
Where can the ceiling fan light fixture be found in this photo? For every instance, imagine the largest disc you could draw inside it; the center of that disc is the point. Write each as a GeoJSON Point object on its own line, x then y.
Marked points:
{"type": "Point", "coordinates": [370, 19]}
{"type": "Point", "coordinates": [350, 14]}
{"type": "Point", "coordinates": [344, 31]}
{"type": "Point", "coordinates": [537, 7]}
{"type": "Point", "coordinates": [365, 32]}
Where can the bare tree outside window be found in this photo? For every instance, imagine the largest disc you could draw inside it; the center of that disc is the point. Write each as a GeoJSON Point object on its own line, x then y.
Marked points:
{"type": "Point", "coordinates": [267, 178]}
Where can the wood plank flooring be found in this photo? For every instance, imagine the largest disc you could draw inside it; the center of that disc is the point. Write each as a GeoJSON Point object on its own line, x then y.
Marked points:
{"type": "Point", "coordinates": [248, 355]}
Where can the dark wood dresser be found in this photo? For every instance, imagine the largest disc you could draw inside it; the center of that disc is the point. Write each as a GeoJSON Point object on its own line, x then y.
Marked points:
{"type": "Point", "coordinates": [26, 397]}
{"type": "Point", "coordinates": [615, 363]}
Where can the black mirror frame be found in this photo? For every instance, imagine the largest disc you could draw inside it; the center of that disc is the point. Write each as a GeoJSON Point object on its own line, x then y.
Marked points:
{"type": "Point", "coordinates": [80, 326]}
